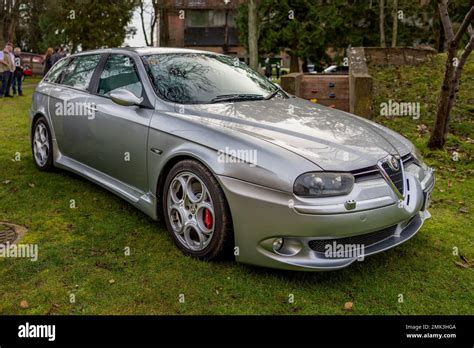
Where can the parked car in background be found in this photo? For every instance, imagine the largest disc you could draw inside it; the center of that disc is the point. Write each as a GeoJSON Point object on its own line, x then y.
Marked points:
{"type": "Point", "coordinates": [35, 62]}
{"type": "Point", "coordinates": [232, 163]}
{"type": "Point", "coordinates": [27, 71]}
{"type": "Point", "coordinates": [339, 69]}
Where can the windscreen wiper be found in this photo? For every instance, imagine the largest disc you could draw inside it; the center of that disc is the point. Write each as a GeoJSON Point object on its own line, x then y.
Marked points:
{"type": "Point", "coordinates": [236, 97]}
{"type": "Point", "coordinates": [271, 95]}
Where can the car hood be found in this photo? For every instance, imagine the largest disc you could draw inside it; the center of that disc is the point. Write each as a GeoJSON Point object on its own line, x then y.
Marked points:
{"type": "Point", "coordinates": [330, 138]}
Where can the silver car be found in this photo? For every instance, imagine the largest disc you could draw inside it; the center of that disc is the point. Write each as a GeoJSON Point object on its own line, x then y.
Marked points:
{"type": "Point", "coordinates": [233, 164]}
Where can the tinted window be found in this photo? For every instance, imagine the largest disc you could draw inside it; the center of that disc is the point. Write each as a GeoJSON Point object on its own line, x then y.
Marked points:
{"type": "Point", "coordinates": [205, 78]}
{"type": "Point", "coordinates": [78, 74]}
{"type": "Point", "coordinates": [120, 72]}
{"type": "Point", "coordinates": [56, 71]}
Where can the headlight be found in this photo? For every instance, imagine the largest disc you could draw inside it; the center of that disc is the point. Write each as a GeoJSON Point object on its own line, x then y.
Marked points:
{"type": "Point", "coordinates": [418, 158]}
{"type": "Point", "coordinates": [323, 184]}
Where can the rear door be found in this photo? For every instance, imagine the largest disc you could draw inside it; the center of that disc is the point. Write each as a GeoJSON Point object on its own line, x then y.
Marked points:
{"type": "Point", "coordinates": [70, 113]}
{"type": "Point", "coordinates": [119, 134]}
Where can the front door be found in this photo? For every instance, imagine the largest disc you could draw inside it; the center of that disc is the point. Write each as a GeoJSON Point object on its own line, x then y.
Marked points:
{"type": "Point", "coordinates": [119, 133]}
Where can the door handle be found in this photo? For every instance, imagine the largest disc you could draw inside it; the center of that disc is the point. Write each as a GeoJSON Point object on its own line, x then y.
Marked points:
{"type": "Point", "coordinates": [91, 108]}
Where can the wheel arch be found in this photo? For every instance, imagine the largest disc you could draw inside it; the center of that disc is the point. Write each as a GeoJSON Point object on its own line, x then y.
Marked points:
{"type": "Point", "coordinates": [34, 119]}
{"type": "Point", "coordinates": [166, 168]}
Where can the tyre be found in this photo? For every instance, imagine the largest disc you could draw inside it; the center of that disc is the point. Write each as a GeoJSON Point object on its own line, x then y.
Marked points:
{"type": "Point", "coordinates": [196, 212]}
{"type": "Point", "coordinates": [42, 145]}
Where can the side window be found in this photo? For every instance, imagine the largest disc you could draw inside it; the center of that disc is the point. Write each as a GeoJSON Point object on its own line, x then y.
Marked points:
{"type": "Point", "coordinates": [78, 74]}
{"type": "Point", "coordinates": [120, 72]}
{"type": "Point", "coordinates": [55, 73]}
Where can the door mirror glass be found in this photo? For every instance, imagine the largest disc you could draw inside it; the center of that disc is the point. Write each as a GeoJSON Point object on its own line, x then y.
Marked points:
{"type": "Point", "coordinates": [124, 97]}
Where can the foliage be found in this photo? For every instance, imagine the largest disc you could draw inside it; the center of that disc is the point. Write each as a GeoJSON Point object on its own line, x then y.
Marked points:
{"type": "Point", "coordinates": [79, 25]}
{"type": "Point", "coordinates": [319, 25]}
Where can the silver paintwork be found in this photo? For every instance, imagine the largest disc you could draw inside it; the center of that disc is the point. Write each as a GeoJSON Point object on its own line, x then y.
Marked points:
{"type": "Point", "coordinates": [125, 98]}
{"type": "Point", "coordinates": [291, 137]}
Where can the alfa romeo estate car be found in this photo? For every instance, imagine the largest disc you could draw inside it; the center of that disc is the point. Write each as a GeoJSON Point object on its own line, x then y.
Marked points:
{"type": "Point", "coordinates": [230, 162]}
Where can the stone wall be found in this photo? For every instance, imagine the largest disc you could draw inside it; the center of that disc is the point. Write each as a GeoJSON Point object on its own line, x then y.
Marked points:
{"type": "Point", "coordinates": [398, 56]}
{"type": "Point", "coordinates": [360, 82]}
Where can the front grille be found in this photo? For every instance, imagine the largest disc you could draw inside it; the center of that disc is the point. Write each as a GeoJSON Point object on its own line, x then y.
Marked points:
{"type": "Point", "coordinates": [395, 175]}
{"type": "Point", "coordinates": [407, 160]}
{"type": "Point", "coordinates": [365, 174]}
{"type": "Point", "coordinates": [367, 240]}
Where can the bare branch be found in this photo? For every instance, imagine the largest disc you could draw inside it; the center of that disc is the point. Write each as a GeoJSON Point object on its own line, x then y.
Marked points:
{"type": "Point", "coordinates": [142, 16]}
{"type": "Point", "coordinates": [444, 15]}
{"type": "Point", "coordinates": [463, 59]}
{"type": "Point", "coordinates": [465, 24]}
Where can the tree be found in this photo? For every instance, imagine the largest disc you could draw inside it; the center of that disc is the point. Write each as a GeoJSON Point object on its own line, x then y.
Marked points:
{"type": "Point", "coordinates": [28, 33]}
{"type": "Point", "coordinates": [9, 16]}
{"type": "Point", "coordinates": [253, 33]}
{"type": "Point", "coordinates": [382, 23]}
{"type": "Point", "coordinates": [395, 23]}
{"type": "Point", "coordinates": [453, 70]}
{"type": "Point", "coordinates": [153, 12]}
{"type": "Point", "coordinates": [86, 24]}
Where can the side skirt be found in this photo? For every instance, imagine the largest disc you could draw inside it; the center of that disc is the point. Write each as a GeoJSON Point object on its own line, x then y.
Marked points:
{"type": "Point", "coordinates": [144, 201]}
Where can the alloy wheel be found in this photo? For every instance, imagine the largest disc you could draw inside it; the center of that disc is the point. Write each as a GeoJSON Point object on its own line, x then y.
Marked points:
{"type": "Point", "coordinates": [190, 211]}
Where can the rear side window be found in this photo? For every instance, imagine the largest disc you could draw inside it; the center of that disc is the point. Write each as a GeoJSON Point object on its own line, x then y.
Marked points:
{"type": "Point", "coordinates": [120, 72]}
{"type": "Point", "coordinates": [56, 71]}
{"type": "Point", "coordinates": [78, 74]}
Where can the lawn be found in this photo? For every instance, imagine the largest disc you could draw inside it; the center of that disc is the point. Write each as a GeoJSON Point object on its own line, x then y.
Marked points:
{"type": "Point", "coordinates": [82, 251]}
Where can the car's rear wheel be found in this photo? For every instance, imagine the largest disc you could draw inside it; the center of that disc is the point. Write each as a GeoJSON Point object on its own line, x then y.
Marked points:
{"type": "Point", "coordinates": [196, 212]}
{"type": "Point", "coordinates": [42, 145]}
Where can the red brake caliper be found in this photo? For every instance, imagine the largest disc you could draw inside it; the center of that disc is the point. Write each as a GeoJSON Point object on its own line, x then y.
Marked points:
{"type": "Point", "coordinates": [207, 218]}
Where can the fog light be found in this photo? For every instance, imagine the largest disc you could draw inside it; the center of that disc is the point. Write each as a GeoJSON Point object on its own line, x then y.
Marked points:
{"type": "Point", "coordinates": [277, 244]}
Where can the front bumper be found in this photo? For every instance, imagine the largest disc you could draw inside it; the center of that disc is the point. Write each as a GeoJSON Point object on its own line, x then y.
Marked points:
{"type": "Point", "coordinates": [261, 215]}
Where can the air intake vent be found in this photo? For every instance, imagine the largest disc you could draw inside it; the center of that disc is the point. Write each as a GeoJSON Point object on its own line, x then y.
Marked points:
{"type": "Point", "coordinates": [367, 240]}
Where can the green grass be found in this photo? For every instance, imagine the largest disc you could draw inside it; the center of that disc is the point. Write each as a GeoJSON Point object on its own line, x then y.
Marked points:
{"type": "Point", "coordinates": [82, 250]}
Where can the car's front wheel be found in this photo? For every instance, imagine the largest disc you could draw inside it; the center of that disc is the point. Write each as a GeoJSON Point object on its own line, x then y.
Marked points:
{"type": "Point", "coordinates": [196, 212]}
{"type": "Point", "coordinates": [42, 145]}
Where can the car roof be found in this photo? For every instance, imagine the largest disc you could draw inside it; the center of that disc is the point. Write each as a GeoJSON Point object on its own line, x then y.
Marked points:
{"type": "Point", "coordinates": [143, 51]}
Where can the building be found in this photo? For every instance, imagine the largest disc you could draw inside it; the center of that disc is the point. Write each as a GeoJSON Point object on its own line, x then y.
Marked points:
{"type": "Point", "coordinates": [201, 24]}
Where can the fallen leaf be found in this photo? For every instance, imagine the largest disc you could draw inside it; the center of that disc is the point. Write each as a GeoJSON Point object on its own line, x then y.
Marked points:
{"type": "Point", "coordinates": [24, 304]}
{"type": "Point", "coordinates": [348, 306]}
{"type": "Point", "coordinates": [6, 182]}
{"type": "Point", "coordinates": [31, 185]}
{"type": "Point", "coordinates": [462, 264]}
{"type": "Point", "coordinates": [111, 281]}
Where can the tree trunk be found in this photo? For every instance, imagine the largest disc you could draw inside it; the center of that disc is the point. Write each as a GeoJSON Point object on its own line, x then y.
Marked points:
{"type": "Point", "coordinates": [395, 23]}
{"type": "Point", "coordinates": [438, 138]}
{"type": "Point", "coordinates": [452, 75]}
{"type": "Point", "coordinates": [164, 29]}
{"type": "Point", "coordinates": [382, 23]}
{"type": "Point", "coordinates": [294, 63]}
{"type": "Point", "coordinates": [253, 34]}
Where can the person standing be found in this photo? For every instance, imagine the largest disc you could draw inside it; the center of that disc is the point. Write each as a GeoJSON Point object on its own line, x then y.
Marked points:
{"type": "Point", "coordinates": [56, 55]}
{"type": "Point", "coordinates": [7, 67]}
{"type": "Point", "coordinates": [48, 60]}
{"type": "Point", "coordinates": [278, 68]}
{"type": "Point", "coordinates": [18, 73]}
{"type": "Point", "coordinates": [268, 68]}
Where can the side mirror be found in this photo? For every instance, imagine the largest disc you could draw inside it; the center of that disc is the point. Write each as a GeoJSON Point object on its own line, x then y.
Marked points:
{"type": "Point", "coordinates": [124, 97]}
